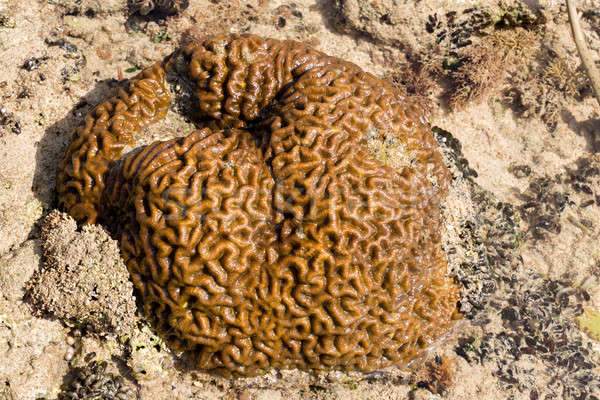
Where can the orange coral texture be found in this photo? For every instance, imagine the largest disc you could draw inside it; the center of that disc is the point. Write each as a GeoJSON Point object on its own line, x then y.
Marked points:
{"type": "Point", "coordinates": [271, 237]}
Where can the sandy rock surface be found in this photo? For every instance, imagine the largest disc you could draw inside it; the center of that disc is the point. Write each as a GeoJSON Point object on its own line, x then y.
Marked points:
{"type": "Point", "coordinates": [519, 129]}
{"type": "Point", "coordinates": [83, 278]}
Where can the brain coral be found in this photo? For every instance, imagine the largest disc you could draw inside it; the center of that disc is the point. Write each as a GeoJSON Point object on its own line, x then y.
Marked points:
{"type": "Point", "coordinates": [271, 237]}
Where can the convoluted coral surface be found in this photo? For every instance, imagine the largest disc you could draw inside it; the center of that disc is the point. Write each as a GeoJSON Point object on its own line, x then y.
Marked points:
{"type": "Point", "coordinates": [272, 237]}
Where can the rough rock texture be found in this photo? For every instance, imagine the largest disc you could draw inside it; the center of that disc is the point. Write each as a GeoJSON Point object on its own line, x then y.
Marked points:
{"type": "Point", "coordinates": [32, 348]}
{"type": "Point", "coordinates": [273, 237]}
{"type": "Point", "coordinates": [32, 353]}
{"type": "Point", "coordinates": [15, 272]}
{"type": "Point", "coordinates": [83, 280]}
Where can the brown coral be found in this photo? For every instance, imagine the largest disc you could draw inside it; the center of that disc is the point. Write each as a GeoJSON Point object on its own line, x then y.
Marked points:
{"type": "Point", "coordinates": [272, 237]}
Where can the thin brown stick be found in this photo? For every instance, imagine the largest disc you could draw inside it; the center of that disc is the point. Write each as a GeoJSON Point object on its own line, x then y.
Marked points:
{"type": "Point", "coordinates": [584, 53]}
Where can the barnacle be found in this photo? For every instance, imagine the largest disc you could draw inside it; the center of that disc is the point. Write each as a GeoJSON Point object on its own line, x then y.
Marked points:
{"type": "Point", "coordinates": [271, 237]}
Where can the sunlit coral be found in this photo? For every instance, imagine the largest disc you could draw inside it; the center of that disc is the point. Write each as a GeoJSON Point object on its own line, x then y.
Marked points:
{"type": "Point", "coordinates": [272, 237]}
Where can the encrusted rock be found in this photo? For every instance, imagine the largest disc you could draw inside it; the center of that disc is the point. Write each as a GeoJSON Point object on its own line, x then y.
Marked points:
{"type": "Point", "coordinates": [83, 280]}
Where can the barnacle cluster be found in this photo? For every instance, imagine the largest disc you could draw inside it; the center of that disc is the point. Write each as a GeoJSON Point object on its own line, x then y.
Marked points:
{"type": "Point", "coordinates": [539, 318]}
{"type": "Point", "coordinates": [271, 237]}
{"type": "Point", "coordinates": [93, 382]}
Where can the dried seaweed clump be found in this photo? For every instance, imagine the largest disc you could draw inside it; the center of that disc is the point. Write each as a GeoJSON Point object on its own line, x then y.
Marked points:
{"type": "Point", "coordinates": [478, 48]}
{"type": "Point", "coordinates": [436, 375]}
{"type": "Point", "coordinates": [272, 237]}
{"type": "Point", "coordinates": [558, 82]}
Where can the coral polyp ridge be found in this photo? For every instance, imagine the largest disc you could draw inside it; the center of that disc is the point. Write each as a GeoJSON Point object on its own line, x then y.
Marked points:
{"type": "Point", "coordinates": [271, 236]}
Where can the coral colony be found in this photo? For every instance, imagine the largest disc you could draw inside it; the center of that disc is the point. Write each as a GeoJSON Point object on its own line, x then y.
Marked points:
{"type": "Point", "coordinates": [271, 236]}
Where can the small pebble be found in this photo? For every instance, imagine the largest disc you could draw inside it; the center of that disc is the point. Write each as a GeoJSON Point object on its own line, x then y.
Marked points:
{"type": "Point", "coordinates": [69, 354]}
